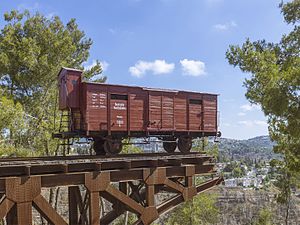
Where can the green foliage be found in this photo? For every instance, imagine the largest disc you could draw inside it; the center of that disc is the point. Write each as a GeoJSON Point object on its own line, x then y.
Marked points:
{"type": "Point", "coordinates": [274, 84]}
{"type": "Point", "coordinates": [237, 172]}
{"type": "Point", "coordinates": [203, 145]}
{"type": "Point", "coordinates": [132, 218]}
{"type": "Point", "coordinates": [33, 48]}
{"type": "Point", "coordinates": [264, 218]}
{"type": "Point", "coordinates": [130, 148]}
{"type": "Point", "coordinates": [8, 150]}
{"type": "Point", "coordinates": [12, 119]}
{"type": "Point", "coordinates": [199, 211]}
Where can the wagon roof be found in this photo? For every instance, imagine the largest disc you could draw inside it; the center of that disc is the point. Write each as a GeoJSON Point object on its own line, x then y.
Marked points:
{"type": "Point", "coordinates": [147, 88]}
{"type": "Point", "coordinates": [69, 69]}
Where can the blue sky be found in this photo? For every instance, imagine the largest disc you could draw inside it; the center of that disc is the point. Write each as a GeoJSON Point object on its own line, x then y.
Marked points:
{"type": "Point", "coordinates": [177, 44]}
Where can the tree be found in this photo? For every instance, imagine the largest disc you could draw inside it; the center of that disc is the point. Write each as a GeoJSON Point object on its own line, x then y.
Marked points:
{"type": "Point", "coordinates": [264, 217]}
{"type": "Point", "coordinates": [33, 48]}
{"type": "Point", "coordinates": [200, 210]}
{"type": "Point", "coordinates": [129, 148]}
{"type": "Point", "coordinates": [274, 84]}
{"type": "Point", "coordinates": [237, 172]}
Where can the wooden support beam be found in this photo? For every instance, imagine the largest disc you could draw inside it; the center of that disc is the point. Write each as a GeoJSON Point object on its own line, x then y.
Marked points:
{"type": "Point", "coordinates": [94, 208]}
{"type": "Point", "coordinates": [73, 205]}
{"type": "Point", "coordinates": [5, 207]}
{"type": "Point", "coordinates": [11, 217]}
{"type": "Point", "coordinates": [24, 213]}
{"type": "Point", "coordinates": [150, 195]}
{"type": "Point", "coordinates": [137, 208]}
{"type": "Point", "coordinates": [111, 216]}
{"type": "Point", "coordinates": [176, 186]}
{"type": "Point", "coordinates": [44, 208]}
{"type": "Point", "coordinates": [19, 193]}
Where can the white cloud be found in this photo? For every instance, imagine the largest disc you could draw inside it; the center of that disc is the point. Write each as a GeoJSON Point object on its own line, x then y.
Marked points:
{"type": "Point", "coordinates": [104, 65]}
{"type": "Point", "coordinates": [156, 67]}
{"type": "Point", "coordinates": [249, 123]}
{"type": "Point", "coordinates": [225, 26]}
{"type": "Point", "coordinates": [226, 124]}
{"type": "Point", "coordinates": [228, 100]}
{"type": "Point", "coordinates": [260, 122]}
{"type": "Point", "coordinates": [241, 114]}
{"type": "Point", "coordinates": [50, 15]}
{"type": "Point", "coordinates": [192, 67]}
{"type": "Point", "coordinates": [112, 31]}
{"type": "Point", "coordinates": [248, 107]}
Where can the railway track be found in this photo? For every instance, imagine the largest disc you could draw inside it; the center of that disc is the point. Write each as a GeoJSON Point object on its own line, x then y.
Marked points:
{"type": "Point", "coordinates": [21, 166]}
{"type": "Point", "coordinates": [99, 157]}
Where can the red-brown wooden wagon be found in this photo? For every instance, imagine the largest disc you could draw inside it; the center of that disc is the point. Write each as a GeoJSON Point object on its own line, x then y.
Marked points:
{"type": "Point", "coordinates": [109, 113]}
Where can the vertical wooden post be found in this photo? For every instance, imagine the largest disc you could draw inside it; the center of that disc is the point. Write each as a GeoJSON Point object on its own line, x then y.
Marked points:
{"type": "Point", "coordinates": [150, 194]}
{"type": "Point", "coordinates": [95, 183]}
{"type": "Point", "coordinates": [188, 181]}
{"type": "Point", "coordinates": [94, 207]}
{"type": "Point", "coordinates": [73, 205]}
{"type": "Point", "coordinates": [24, 213]}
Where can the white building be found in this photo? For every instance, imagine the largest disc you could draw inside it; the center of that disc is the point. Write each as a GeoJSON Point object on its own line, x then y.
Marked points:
{"type": "Point", "coordinates": [231, 182]}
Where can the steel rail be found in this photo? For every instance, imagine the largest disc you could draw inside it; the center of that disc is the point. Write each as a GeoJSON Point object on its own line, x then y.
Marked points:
{"type": "Point", "coordinates": [101, 157]}
{"type": "Point", "coordinates": [65, 165]}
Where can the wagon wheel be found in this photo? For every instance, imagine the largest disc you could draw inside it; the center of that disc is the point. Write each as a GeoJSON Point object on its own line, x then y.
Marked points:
{"type": "Point", "coordinates": [185, 144]}
{"type": "Point", "coordinates": [170, 146]}
{"type": "Point", "coordinates": [98, 146]}
{"type": "Point", "coordinates": [112, 147]}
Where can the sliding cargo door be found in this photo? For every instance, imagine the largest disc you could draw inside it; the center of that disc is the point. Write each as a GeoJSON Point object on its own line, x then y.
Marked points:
{"type": "Point", "coordinates": [161, 111]}
{"type": "Point", "coordinates": [210, 113]}
{"type": "Point", "coordinates": [168, 111]}
{"type": "Point", "coordinates": [137, 111]}
{"type": "Point", "coordinates": [180, 112]}
{"type": "Point", "coordinates": [118, 112]}
{"type": "Point", "coordinates": [195, 114]}
{"type": "Point", "coordinates": [155, 113]}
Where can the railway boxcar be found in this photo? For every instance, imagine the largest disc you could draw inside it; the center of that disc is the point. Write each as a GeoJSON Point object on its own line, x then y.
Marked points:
{"type": "Point", "coordinates": [109, 113]}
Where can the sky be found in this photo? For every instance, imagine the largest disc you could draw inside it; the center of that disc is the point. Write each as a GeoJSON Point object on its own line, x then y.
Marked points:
{"type": "Point", "coordinates": [176, 44]}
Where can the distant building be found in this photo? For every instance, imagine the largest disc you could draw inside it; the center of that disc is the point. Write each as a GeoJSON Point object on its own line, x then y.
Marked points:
{"type": "Point", "coordinates": [247, 182]}
{"type": "Point", "coordinates": [231, 183]}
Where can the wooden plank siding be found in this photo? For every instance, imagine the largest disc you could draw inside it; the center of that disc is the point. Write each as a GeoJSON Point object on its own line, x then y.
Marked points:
{"type": "Point", "coordinates": [116, 108]}
{"type": "Point", "coordinates": [166, 111]}
{"type": "Point", "coordinates": [210, 112]}
{"type": "Point", "coordinates": [155, 110]}
{"type": "Point", "coordinates": [167, 119]}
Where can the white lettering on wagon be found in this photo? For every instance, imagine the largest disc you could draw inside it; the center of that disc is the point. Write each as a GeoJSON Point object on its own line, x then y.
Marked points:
{"type": "Point", "coordinates": [98, 100]}
{"type": "Point", "coordinates": [119, 106]}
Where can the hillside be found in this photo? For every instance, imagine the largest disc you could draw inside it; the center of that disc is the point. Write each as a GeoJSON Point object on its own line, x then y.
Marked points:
{"type": "Point", "coordinates": [258, 147]}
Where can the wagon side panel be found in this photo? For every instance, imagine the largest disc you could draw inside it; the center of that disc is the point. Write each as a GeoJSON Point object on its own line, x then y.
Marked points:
{"type": "Point", "coordinates": [155, 110]}
{"type": "Point", "coordinates": [180, 112]}
{"type": "Point", "coordinates": [210, 113]}
{"type": "Point", "coordinates": [62, 90]}
{"type": "Point", "coordinates": [73, 88]}
{"type": "Point", "coordinates": [167, 111]}
{"type": "Point", "coordinates": [138, 109]}
{"type": "Point", "coordinates": [195, 112]}
{"type": "Point", "coordinates": [96, 107]}
{"type": "Point", "coordinates": [118, 113]}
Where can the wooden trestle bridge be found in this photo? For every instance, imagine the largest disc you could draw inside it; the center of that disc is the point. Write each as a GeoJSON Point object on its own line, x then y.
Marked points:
{"type": "Point", "coordinates": [128, 182]}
